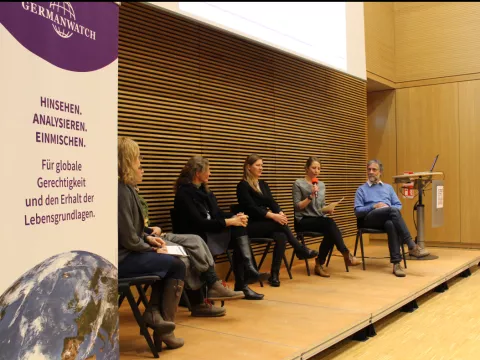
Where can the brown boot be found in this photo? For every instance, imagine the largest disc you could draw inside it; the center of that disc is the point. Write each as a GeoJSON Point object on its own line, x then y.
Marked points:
{"type": "Point", "coordinates": [418, 252]}
{"type": "Point", "coordinates": [350, 260]}
{"type": "Point", "coordinates": [398, 270]}
{"type": "Point", "coordinates": [319, 270]}
{"type": "Point", "coordinates": [152, 316]}
{"type": "Point", "coordinates": [172, 291]}
{"type": "Point", "coordinates": [207, 309]}
{"type": "Point", "coordinates": [220, 291]}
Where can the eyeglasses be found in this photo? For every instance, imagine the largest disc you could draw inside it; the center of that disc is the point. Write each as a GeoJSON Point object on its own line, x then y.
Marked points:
{"type": "Point", "coordinates": [373, 169]}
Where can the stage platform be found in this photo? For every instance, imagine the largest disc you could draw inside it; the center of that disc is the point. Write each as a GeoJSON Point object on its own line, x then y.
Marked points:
{"type": "Point", "coordinates": [305, 315]}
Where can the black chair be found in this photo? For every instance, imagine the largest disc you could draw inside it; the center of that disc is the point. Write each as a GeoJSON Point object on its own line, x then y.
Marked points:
{"type": "Point", "coordinates": [364, 230]}
{"type": "Point", "coordinates": [124, 291]}
{"type": "Point", "coordinates": [235, 209]}
{"type": "Point", "coordinates": [301, 237]}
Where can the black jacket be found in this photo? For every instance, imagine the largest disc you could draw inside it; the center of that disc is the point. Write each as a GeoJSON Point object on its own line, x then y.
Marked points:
{"type": "Point", "coordinates": [192, 207]}
{"type": "Point", "coordinates": [254, 204]}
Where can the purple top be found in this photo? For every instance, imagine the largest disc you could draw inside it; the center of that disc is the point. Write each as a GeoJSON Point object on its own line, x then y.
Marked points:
{"type": "Point", "coordinates": [78, 36]}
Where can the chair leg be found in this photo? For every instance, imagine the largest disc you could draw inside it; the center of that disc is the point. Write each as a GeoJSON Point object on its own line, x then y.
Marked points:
{"type": "Point", "coordinates": [142, 295]}
{"type": "Point", "coordinates": [346, 265]}
{"type": "Point", "coordinates": [329, 256]}
{"type": "Point", "coordinates": [293, 258]}
{"type": "Point", "coordinates": [120, 299]}
{"type": "Point", "coordinates": [356, 244]}
{"type": "Point", "coordinates": [404, 258]}
{"type": "Point", "coordinates": [307, 265]}
{"type": "Point", "coordinates": [362, 250]}
{"type": "Point", "coordinates": [228, 274]}
{"type": "Point", "coordinates": [265, 252]}
{"type": "Point", "coordinates": [286, 265]}
{"type": "Point", "coordinates": [140, 322]}
{"type": "Point", "coordinates": [301, 238]}
{"type": "Point", "coordinates": [230, 261]}
{"type": "Point", "coordinates": [187, 300]}
{"type": "Point", "coordinates": [264, 255]}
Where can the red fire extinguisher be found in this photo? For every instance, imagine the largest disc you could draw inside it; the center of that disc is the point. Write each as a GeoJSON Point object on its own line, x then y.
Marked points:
{"type": "Point", "coordinates": [408, 188]}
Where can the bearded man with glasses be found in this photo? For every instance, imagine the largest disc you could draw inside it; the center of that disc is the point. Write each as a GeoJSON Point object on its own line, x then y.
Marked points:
{"type": "Point", "coordinates": [377, 207]}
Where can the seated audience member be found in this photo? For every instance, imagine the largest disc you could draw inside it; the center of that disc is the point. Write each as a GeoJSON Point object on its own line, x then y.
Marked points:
{"type": "Point", "coordinates": [198, 213]}
{"type": "Point", "coordinates": [140, 254]}
{"type": "Point", "coordinates": [200, 269]}
{"type": "Point", "coordinates": [311, 215]}
{"type": "Point", "coordinates": [266, 218]}
{"type": "Point", "coordinates": [378, 207]}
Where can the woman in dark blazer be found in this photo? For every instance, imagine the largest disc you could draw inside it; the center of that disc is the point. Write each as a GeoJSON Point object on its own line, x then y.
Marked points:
{"type": "Point", "coordinates": [197, 212]}
{"type": "Point", "coordinates": [140, 254]}
{"type": "Point", "coordinates": [266, 218]}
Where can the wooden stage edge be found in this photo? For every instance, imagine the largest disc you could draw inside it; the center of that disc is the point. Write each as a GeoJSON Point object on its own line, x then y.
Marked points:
{"type": "Point", "coordinates": [376, 316]}
{"type": "Point", "coordinates": [305, 315]}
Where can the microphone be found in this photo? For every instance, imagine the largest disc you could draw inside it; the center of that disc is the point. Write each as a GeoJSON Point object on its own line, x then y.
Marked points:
{"type": "Point", "coordinates": [315, 182]}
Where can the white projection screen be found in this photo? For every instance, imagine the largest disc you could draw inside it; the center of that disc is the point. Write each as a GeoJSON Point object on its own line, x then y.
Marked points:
{"type": "Point", "coordinates": [329, 33]}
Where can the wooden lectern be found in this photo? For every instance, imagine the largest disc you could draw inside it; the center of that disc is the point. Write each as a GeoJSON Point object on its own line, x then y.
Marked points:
{"type": "Point", "coordinates": [421, 179]}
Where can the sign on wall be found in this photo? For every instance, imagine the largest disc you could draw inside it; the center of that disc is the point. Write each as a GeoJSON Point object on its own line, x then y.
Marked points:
{"type": "Point", "coordinates": [58, 213]}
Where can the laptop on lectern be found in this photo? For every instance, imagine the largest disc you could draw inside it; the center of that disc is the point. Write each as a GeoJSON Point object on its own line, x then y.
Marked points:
{"type": "Point", "coordinates": [434, 162]}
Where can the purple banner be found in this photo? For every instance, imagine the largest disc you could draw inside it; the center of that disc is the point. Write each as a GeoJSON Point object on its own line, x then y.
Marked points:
{"type": "Point", "coordinates": [77, 36]}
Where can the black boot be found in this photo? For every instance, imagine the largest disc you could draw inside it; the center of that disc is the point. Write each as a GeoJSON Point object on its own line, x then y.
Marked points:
{"type": "Point", "coordinates": [278, 253]}
{"type": "Point", "coordinates": [250, 294]}
{"type": "Point", "coordinates": [251, 273]}
{"type": "Point", "coordinates": [240, 284]}
{"type": "Point", "coordinates": [304, 252]}
{"type": "Point", "coordinates": [273, 280]}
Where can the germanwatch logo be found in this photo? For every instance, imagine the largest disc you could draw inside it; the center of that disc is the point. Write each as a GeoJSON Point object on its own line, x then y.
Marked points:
{"type": "Point", "coordinates": [62, 15]}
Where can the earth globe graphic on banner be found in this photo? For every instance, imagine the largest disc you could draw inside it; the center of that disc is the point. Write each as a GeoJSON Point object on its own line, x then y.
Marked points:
{"type": "Point", "coordinates": [65, 10]}
{"type": "Point", "coordinates": [63, 308]}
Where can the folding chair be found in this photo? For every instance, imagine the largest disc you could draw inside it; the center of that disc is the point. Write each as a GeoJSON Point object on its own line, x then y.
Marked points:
{"type": "Point", "coordinates": [364, 230]}
{"type": "Point", "coordinates": [124, 291]}
{"type": "Point", "coordinates": [301, 237]}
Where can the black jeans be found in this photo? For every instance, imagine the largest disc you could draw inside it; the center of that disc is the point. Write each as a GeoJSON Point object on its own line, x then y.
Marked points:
{"type": "Point", "coordinates": [279, 233]}
{"type": "Point", "coordinates": [390, 219]}
{"type": "Point", "coordinates": [332, 234]}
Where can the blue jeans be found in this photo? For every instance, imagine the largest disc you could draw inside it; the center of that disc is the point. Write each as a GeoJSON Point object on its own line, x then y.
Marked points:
{"type": "Point", "coordinates": [391, 221]}
{"type": "Point", "coordinates": [151, 263]}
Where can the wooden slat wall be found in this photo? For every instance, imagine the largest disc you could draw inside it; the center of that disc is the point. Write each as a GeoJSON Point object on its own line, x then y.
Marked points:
{"type": "Point", "coordinates": [436, 39]}
{"type": "Point", "coordinates": [380, 39]}
{"type": "Point", "coordinates": [186, 88]}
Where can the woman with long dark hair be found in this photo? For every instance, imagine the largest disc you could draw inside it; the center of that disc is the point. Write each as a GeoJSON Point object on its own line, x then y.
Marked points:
{"type": "Point", "coordinates": [266, 218]}
{"type": "Point", "coordinates": [197, 212]}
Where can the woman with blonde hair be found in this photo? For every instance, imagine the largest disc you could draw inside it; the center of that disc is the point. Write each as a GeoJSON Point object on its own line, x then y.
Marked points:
{"type": "Point", "coordinates": [140, 254]}
{"type": "Point", "coordinates": [266, 217]}
{"type": "Point", "coordinates": [198, 213]}
{"type": "Point", "coordinates": [311, 215]}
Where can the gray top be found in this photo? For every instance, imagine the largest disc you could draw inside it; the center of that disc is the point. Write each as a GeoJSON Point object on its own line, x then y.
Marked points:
{"type": "Point", "coordinates": [130, 223]}
{"type": "Point", "coordinates": [301, 190]}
